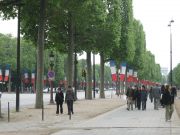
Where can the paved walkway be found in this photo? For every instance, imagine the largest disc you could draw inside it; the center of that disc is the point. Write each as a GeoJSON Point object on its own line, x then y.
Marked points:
{"type": "Point", "coordinates": [123, 122]}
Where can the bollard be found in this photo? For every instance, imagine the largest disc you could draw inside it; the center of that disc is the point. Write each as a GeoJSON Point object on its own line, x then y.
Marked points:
{"type": "Point", "coordinates": [42, 112]}
{"type": "Point", "coordinates": [0, 109]}
{"type": "Point", "coordinates": [0, 105]}
{"type": "Point", "coordinates": [8, 113]}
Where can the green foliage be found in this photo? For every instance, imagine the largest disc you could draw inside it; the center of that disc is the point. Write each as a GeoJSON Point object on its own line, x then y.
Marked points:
{"type": "Point", "coordinates": [97, 26]}
{"type": "Point", "coordinates": [176, 75]}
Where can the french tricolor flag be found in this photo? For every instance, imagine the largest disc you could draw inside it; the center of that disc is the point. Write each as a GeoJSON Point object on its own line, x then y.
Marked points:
{"type": "Point", "coordinates": [123, 71]}
{"type": "Point", "coordinates": [33, 78]}
{"type": "Point", "coordinates": [130, 75]}
{"type": "Point", "coordinates": [113, 70]}
{"type": "Point", "coordinates": [1, 77]}
{"type": "Point", "coordinates": [6, 77]}
{"type": "Point", "coordinates": [26, 77]}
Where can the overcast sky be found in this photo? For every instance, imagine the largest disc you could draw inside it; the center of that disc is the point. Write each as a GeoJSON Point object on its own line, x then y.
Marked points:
{"type": "Point", "coordinates": [155, 16]}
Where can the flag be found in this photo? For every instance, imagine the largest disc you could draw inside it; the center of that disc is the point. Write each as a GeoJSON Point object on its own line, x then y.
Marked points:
{"type": "Point", "coordinates": [32, 77]}
{"type": "Point", "coordinates": [113, 70]}
{"type": "Point", "coordinates": [130, 75]}
{"type": "Point", "coordinates": [6, 77]}
{"type": "Point", "coordinates": [123, 71]}
{"type": "Point", "coordinates": [1, 77]}
{"type": "Point", "coordinates": [135, 77]}
{"type": "Point", "coordinates": [26, 76]}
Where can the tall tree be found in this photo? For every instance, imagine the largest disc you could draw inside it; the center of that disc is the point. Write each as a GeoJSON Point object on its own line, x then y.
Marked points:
{"type": "Point", "coordinates": [40, 56]}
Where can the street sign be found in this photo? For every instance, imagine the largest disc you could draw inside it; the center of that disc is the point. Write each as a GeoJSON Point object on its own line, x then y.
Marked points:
{"type": "Point", "coordinates": [51, 75]}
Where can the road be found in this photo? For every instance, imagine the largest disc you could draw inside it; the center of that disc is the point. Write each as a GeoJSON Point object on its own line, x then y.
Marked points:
{"type": "Point", "coordinates": [29, 99]}
{"type": "Point", "coordinates": [123, 122]}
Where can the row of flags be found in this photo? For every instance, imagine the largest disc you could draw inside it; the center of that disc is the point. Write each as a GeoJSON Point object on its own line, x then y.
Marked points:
{"type": "Point", "coordinates": [122, 71]}
{"type": "Point", "coordinates": [131, 75]}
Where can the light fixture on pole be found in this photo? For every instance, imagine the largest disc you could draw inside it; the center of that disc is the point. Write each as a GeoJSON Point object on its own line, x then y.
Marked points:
{"type": "Point", "coordinates": [172, 21]}
{"type": "Point", "coordinates": [51, 76]}
{"type": "Point", "coordinates": [51, 58]}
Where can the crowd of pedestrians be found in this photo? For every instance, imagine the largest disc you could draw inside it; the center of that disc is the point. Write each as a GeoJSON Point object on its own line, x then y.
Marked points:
{"type": "Point", "coordinates": [161, 96]}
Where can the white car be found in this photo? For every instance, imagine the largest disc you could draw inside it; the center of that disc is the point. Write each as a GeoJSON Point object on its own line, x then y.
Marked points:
{"type": "Point", "coordinates": [48, 90]}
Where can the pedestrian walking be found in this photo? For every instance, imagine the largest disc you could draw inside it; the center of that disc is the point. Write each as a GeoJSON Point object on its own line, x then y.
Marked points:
{"type": "Point", "coordinates": [156, 93]}
{"type": "Point", "coordinates": [138, 98]}
{"type": "Point", "coordinates": [168, 101]}
{"type": "Point", "coordinates": [151, 95]}
{"type": "Point", "coordinates": [130, 97]}
{"type": "Point", "coordinates": [70, 99]}
{"type": "Point", "coordinates": [59, 98]}
{"type": "Point", "coordinates": [143, 97]}
{"type": "Point", "coordinates": [162, 91]}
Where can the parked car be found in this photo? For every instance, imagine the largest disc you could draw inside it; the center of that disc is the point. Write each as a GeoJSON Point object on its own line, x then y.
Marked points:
{"type": "Point", "coordinates": [48, 90]}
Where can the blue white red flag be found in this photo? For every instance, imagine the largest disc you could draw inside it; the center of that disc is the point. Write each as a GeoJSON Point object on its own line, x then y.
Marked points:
{"type": "Point", "coordinates": [113, 70]}
{"type": "Point", "coordinates": [123, 71]}
{"type": "Point", "coordinates": [6, 77]}
{"type": "Point", "coordinates": [1, 77]}
{"type": "Point", "coordinates": [130, 75]}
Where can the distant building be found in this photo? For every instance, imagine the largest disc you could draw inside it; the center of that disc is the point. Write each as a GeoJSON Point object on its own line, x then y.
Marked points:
{"type": "Point", "coordinates": [164, 71]}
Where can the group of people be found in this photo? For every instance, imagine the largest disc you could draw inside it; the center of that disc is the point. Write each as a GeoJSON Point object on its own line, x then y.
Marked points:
{"type": "Point", "coordinates": [160, 96]}
{"type": "Point", "coordinates": [69, 99]}
{"type": "Point", "coordinates": [136, 96]}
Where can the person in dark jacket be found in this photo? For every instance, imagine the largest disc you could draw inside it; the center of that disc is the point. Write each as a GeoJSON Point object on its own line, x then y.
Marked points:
{"type": "Point", "coordinates": [143, 97]}
{"type": "Point", "coordinates": [150, 94]}
{"type": "Point", "coordinates": [162, 92]}
{"type": "Point", "coordinates": [156, 93]}
{"type": "Point", "coordinates": [130, 98]}
{"type": "Point", "coordinates": [70, 99]}
{"type": "Point", "coordinates": [59, 98]}
{"type": "Point", "coordinates": [138, 98]}
{"type": "Point", "coordinates": [168, 101]}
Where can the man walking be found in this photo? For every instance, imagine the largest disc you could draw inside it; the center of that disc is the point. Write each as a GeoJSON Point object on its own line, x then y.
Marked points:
{"type": "Point", "coordinates": [69, 99]}
{"type": "Point", "coordinates": [130, 97]}
{"type": "Point", "coordinates": [156, 93]}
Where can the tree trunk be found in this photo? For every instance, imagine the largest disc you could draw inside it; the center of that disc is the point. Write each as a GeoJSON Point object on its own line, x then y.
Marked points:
{"type": "Point", "coordinates": [102, 95]}
{"type": "Point", "coordinates": [70, 52]}
{"type": "Point", "coordinates": [89, 76]}
{"type": "Point", "coordinates": [117, 82]}
{"type": "Point", "coordinates": [40, 56]}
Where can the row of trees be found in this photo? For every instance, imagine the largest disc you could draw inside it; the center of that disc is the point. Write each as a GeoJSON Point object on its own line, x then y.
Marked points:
{"type": "Point", "coordinates": [28, 60]}
{"type": "Point", "coordinates": [176, 76]}
{"type": "Point", "coordinates": [106, 27]}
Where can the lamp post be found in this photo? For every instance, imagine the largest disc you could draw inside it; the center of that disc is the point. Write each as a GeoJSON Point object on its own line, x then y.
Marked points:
{"type": "Point", "coordinates": [51, 76]}
{"type": "Point", "coordinates": [94, 78]}
{"type": "Point", "coordinates": [75, 75]}
{"type": "Point", "coordinates": [169, 25]}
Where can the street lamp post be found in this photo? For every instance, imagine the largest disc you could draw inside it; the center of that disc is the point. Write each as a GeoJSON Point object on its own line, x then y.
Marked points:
{"type": "Point", "coordinates": [94, 78]}
{"type": "Point", "coordinates": [51, 76]}
{"type": "Point", "coordinates": [170, 51]}
{"type": "Point", "coordinates": [75, 75]}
